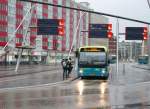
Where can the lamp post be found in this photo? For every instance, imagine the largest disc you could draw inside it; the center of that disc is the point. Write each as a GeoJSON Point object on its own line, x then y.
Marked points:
{"type": "Point", "coordinates": [117, 34]}
{"type": "Point", "coordinates": [149, 45]}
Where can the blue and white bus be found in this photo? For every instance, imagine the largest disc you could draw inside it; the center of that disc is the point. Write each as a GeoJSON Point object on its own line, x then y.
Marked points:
{"type": "Point", "coordinates": [93, 62]}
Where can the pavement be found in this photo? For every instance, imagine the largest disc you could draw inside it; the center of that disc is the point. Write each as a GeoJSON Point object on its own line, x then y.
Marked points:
{"type": "Point", "coordinates": [9, 71]}
{"type": "Point", "coordinates": [32, 75]}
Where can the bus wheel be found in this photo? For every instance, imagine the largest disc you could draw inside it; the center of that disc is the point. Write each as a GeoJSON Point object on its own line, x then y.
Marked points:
{"type": "Point", "coordinates": [105, 78]}
{"type": "Point", "coordinates": [82, 77]}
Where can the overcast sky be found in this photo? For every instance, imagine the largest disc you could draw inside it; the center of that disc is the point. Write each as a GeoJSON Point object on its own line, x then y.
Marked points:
{"type": "Point", "coordinates": [137, 9]}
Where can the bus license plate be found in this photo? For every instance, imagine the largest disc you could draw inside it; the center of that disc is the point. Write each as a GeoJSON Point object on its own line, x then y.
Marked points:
{"type": "Point", "coordinates": [93, 74]}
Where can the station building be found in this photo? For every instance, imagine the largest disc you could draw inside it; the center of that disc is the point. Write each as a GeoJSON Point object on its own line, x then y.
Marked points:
{"type": "Point", "coordinates": [47, 47]}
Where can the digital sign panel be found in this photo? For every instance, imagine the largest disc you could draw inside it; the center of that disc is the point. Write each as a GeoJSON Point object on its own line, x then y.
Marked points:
{"type": "Point", "coordinates": [136, 33]}
{"type": "Point", "coordinates": [100, 31]}
{"type": "Point", "coordinates": [92, 50]}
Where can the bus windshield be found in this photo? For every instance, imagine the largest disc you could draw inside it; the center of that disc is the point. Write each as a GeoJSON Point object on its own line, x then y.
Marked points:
{"type": "Point", "coordinates": [92, 58]}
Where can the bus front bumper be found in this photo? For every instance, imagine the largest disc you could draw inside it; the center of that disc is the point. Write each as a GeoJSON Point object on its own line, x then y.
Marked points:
{"type": "Point", "coordinates": [93, 72]}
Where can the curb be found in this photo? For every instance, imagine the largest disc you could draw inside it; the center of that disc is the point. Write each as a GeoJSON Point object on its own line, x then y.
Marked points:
{"type": "Point", "coordinates": [141, 67]}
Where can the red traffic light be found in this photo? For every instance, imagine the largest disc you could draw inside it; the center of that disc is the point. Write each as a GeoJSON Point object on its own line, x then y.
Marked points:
{"type": "Point", "coordinates": [145, 36]}
{"type": "Point", "coordinates": [61, 22]}
{"type": "Point", "coordinates": [61, 31]}
{"type": "Point", "coordinates": [145, 30]}
{"type": "Point", "coordinates": [109, 34]}
{"type": "Point", "coordinates": [109, 27]}
{"type": "Point", "coordinates": [145, 33]}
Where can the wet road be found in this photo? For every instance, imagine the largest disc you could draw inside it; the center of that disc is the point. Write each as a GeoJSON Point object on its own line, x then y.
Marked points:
{"type": "Point", "coordinates": [78, 94]}
{"type": "Point", "coordinates": [130, 91]}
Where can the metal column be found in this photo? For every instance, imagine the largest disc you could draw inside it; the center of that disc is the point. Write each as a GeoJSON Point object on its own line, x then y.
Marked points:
{"type": "Point", "coordinates": [18, 61]}
{"type": "Point", "coordinates": [149, 44]}
{"type": "Point", "coordinates": [117, 35]}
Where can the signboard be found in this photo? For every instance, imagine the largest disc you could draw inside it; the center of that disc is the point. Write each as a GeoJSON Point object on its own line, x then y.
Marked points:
{"type": "Point", "coordinates": [99, 26]}
{"type": "Point", "coordinates": [92, 50]}
{"type": "Point", "coordinates": [136, 33]}
{"type": "Point", "coordinates": [97, 34]}
{"type": "Point", "coordinates": [48, 23]}
{"type": "Point", "coordinates": [100, 31]}
{"type": "Point", "coordinates": [50, 27]}
{"type": "Point", "coordinates": [47, 31]}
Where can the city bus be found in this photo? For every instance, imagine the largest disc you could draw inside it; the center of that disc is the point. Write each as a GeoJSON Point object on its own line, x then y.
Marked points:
{"type": "Point", "coordinates": [93, 62]}
{"type": "Point", "coordinates": [143, 59]}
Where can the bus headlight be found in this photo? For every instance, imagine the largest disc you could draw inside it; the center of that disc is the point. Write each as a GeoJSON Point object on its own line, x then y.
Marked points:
{"type": "Point", "coordinates": [81, 70]}
{"type": "Point", "coordinates": [103, 70]}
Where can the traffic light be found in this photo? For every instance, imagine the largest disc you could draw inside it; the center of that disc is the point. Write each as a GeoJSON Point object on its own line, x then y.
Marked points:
{"type": "Point", "coordinates": [61, 27]}
{"type": "Point", "coordinates": [109, 26]}
{"type": "Point", "coordinates": [61, 31]}
{"type": "Point", "coordinates": [109, 32]}
{"type": "Point", "coordinates": [61, 22]}
{"type": "Point", "coordinates": [145, 34]}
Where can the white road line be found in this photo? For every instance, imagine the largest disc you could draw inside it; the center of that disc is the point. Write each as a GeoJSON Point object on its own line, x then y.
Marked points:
{"type": "Point", "coordinates": [138, 84]}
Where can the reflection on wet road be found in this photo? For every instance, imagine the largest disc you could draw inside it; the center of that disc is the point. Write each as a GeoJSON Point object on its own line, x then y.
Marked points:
{"type": "Point", "coordinates": [76, 95]}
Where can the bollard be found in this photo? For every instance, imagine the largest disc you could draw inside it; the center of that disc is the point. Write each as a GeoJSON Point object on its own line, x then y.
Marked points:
{"type": "Point", "coordinates": [123, 69]}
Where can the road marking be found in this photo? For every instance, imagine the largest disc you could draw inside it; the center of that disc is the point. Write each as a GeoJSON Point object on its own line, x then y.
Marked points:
{"type": "Point", "coordinates": [134, 84]}
{"type": "Point", "coordinates": [41, 85]}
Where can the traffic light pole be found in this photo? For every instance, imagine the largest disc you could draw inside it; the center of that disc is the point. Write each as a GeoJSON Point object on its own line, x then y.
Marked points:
{"type": "Point", "coordinates": [149, 44]}
{"type": "Point", "coordinates": [18, 61]}
{"type": "Point", "coordinates": [75, 34]}
{"type": "Point", "coordinates": [131, 52]}
{"type": "Point", "coordinates": [84, 10]}
{"type": "Point", "coordinates": [117, 64]}
{"type": "Point", "coordinates": [142, 52]}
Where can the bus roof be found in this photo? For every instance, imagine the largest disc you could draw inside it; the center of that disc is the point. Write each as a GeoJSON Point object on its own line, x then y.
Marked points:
{"type": "Point", "coordinates": [93, 47]}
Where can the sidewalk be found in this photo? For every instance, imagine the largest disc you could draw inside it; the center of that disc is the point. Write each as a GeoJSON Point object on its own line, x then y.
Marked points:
{"type": "Point", "coordinates": [142, 66]}
{"type": "Point", "coordinates": [25, 70]}
{"type": "Point", "coordinates": [33, 69]}
{"type": "Point", "coordinates": [12, 67]}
